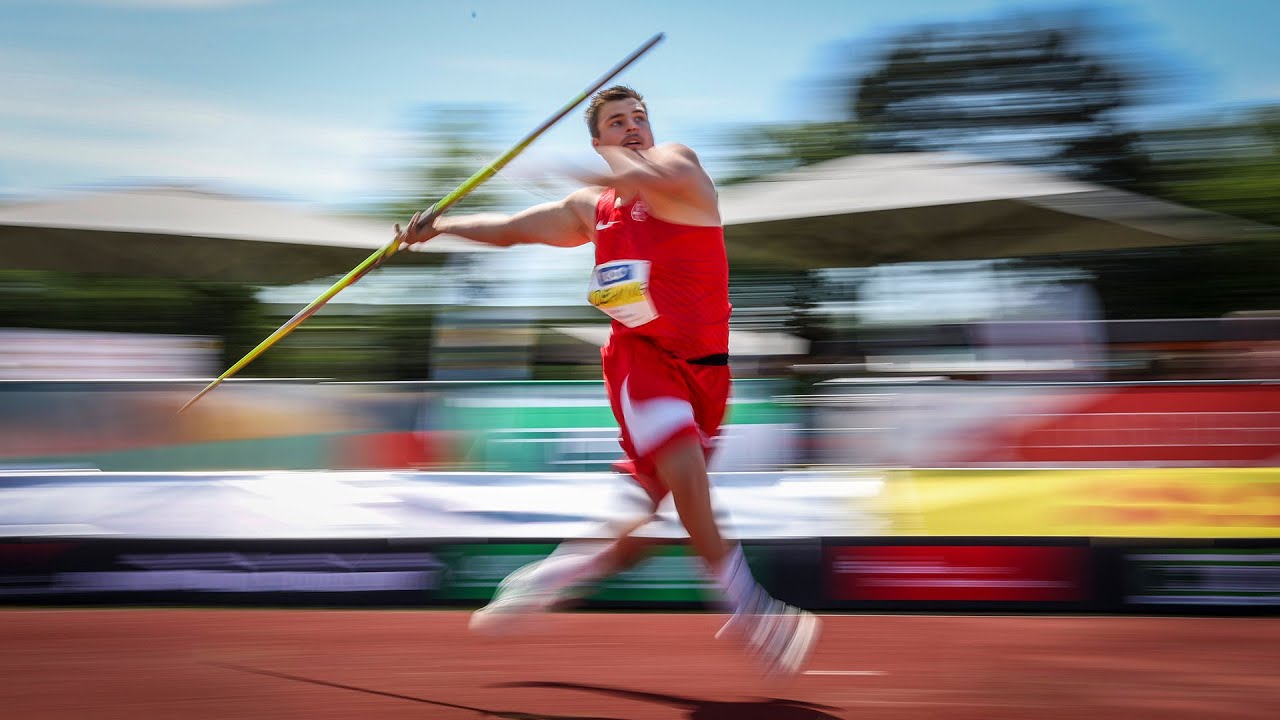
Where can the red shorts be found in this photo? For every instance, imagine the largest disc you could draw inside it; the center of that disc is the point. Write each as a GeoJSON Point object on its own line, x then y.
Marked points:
{"type": "Point", "coordinates": [658, 399]}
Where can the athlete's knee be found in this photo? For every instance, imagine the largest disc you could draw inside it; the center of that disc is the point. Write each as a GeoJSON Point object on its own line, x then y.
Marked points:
{"type": "Point", "coordinates": [682, 464]}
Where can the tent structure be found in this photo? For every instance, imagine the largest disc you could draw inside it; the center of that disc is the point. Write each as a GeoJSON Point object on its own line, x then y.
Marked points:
{"type": "Point", "coordinates": [854, 211]}
{"type": "Point", "coordinates": [182, 233]}
{"type": "Point", "coordinates": [871, 209]}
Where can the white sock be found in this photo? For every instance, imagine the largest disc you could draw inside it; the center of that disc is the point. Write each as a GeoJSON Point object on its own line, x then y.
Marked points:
{"type": "Point", "coordinates": [736, 581]}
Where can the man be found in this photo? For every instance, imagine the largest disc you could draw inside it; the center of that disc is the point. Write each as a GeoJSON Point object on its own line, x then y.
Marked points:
{"type": "Point", "coordinates": [662, 275]}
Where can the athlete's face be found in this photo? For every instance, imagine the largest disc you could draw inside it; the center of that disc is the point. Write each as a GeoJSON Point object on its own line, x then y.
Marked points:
{"type": "Point", "coordinates": [623, 122]}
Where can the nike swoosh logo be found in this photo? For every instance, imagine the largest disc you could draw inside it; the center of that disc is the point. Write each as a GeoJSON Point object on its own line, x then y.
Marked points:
{"type": "Point", "coordinates": [605, 226]}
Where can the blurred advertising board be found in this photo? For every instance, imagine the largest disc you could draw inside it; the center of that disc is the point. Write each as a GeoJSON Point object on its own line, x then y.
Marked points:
{"type": "Point", "coordinates": [334, 572]}
{"type": "Point", "coordinates": [1099, 502]}
{"type": "Point", "coordinates": [958, 574]}
{"type": "Point", "coordinates": [140, 572]}
{"type": "Point", "coordinates": [1203, 577]}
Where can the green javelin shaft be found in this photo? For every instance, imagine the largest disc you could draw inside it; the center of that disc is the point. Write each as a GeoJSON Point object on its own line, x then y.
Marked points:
{"type": "Point", "coordinates": [380, 255]}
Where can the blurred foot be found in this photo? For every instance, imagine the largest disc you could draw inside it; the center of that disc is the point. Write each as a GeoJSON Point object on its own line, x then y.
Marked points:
{"type": "Point", "coordinates": [516, 605]}
{"type": "Point", "coordinates": [779, 636]}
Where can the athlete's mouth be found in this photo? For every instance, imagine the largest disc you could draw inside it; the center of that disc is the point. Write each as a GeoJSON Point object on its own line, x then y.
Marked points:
{"type": "Point", "coordinates": [632, 141]}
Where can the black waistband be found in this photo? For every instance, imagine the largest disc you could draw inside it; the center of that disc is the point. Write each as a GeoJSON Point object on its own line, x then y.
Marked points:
{"type": "Point", "coordinates": [717, 359]}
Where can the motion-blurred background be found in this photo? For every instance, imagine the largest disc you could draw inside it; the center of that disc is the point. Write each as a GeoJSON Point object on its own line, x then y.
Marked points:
{"type": "Point", "coordinates": [1002, 270]}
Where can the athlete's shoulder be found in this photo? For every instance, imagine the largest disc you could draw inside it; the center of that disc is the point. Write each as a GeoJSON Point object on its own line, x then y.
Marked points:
{"type": "Point", "coordinates": [582, 202]}
{"type": "Point", "coordinates": [676, 150]}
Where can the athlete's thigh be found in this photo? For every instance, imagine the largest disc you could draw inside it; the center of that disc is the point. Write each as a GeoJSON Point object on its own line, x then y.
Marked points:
{"type": "Point", "coordinates": [710, 388]}
{"type": "Point", "coordinates": [657, 403]}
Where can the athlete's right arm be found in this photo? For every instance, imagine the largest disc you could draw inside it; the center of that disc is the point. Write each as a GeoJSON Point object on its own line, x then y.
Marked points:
{"type": "Point", "coordinates": [561, 223]}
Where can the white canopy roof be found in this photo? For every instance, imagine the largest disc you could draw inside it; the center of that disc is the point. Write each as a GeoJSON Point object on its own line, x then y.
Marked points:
{"type": "Point", "coordinates": [188, 233]}
{"type": "Point", "coordinates": [871, 209]}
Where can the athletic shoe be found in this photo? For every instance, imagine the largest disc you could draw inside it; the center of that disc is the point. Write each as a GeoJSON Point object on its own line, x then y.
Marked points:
{"type": "Point", "coordinates": [779, 636]}
{"type": "Point", "coordinates": [516, 605]}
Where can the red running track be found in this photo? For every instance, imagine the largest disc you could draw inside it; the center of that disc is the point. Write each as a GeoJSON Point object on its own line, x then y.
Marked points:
{"type": "Point", "coordinates": [193, 664]}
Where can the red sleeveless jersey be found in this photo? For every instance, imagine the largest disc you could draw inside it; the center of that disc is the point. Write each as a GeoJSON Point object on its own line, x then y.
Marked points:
{"type": "Point", "coordinates": [661, 280]}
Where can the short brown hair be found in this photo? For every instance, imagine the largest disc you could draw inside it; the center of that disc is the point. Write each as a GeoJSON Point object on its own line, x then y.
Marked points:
{"type": "Point", "coordinates": [617, 92]}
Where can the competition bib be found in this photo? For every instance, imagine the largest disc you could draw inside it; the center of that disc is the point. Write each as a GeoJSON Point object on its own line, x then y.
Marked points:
{"type": "Point", "coordinates": [620, 289]}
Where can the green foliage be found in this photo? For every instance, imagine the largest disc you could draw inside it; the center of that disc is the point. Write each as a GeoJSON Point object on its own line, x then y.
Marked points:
{"type": "Point", "coordinates": [1231, 167]}
{"type": "Point", "coordinates": [761, 150]}
{"type": "Point", "coordinates": [1030, 89]}
{"type": "Point", "coordinates": [104, 303]}
{"type": "Point", "coordinates": [388, 344]}
{"type": "Point", "coordinates": [1228, 166]}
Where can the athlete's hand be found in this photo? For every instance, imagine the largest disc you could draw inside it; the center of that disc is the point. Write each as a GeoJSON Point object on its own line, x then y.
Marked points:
{"type": "Point", "coordinates": [421, 228]}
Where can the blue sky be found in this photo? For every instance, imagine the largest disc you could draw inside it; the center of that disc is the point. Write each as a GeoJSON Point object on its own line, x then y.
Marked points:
{"type": "Point", "coordinates": [315, 100]}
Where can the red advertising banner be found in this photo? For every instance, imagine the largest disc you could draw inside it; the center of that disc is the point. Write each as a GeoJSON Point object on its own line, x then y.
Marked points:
{"type": "Point", "coordinates": [962, 573]}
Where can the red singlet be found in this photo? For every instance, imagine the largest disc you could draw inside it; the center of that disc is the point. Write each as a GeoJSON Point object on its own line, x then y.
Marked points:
{"type": "Point", "coordinates": [661, 280]}
{"type": "Point", "coordinates": [666, 286]}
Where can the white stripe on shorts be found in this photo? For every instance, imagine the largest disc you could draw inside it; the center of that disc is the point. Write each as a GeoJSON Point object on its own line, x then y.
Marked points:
{"type": "Point", "coordinates": [651, 422]}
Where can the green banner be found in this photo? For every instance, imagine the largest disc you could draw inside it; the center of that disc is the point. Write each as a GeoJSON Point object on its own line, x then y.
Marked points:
{"type": "Point", "coordinates": [671, 574]}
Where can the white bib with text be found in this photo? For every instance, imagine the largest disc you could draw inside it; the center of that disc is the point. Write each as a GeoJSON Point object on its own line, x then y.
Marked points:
{"type": "Point", "coordinates": [620, 288]}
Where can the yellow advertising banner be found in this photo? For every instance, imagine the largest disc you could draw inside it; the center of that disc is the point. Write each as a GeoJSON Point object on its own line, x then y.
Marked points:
{"type": "Point", "coordinates": [1121, 502]}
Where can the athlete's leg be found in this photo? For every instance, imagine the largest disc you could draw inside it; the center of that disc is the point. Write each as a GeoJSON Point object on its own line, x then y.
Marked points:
{"type": "Point", "coordinates": [682, 466]}
{"type": "Point", "coordinates": [781, 635]}
{"type": "Point", "coordinates": [616, 547]}
{"type": "Point", "coordinates": [545, 584]}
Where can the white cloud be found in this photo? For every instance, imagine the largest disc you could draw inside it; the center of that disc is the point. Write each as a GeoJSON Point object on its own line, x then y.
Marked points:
{"type": "Point", "coordinates": [65, 126]}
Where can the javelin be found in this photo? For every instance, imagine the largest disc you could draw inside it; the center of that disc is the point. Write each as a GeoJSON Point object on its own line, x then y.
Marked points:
{"type": "Point", "coordinates": [439, 208]}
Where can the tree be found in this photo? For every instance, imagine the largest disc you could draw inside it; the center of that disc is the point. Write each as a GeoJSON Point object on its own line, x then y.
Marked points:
{"type": "Point", "coordinates": [105, 303]}
{"type": "Point", "coordinates": [1028, 89]}
{"type": "Point", "coordinates": [767, 149]}
{"type": "Point", "coordinates": [1230, 166]}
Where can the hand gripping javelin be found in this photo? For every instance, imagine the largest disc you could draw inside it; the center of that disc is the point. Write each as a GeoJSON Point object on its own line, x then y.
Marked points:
{"type": "Point", "coordinates": [380, 255]}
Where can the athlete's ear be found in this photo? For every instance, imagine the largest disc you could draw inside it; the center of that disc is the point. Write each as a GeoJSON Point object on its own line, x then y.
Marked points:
{"type": "Point", "coordinates": [595, 142]}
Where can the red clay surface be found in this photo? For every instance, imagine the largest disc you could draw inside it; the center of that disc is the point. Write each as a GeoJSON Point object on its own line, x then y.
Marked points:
{"type": "Point", "coordinates": [389, 665]}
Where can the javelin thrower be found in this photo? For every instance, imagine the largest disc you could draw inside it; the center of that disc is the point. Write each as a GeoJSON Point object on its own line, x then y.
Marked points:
{"type": "Point", "coordinates": [662, 276]}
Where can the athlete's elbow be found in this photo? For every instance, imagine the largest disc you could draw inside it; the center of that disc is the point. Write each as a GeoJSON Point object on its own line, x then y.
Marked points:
{"type": "Point", "coordinates": [507, 241]}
